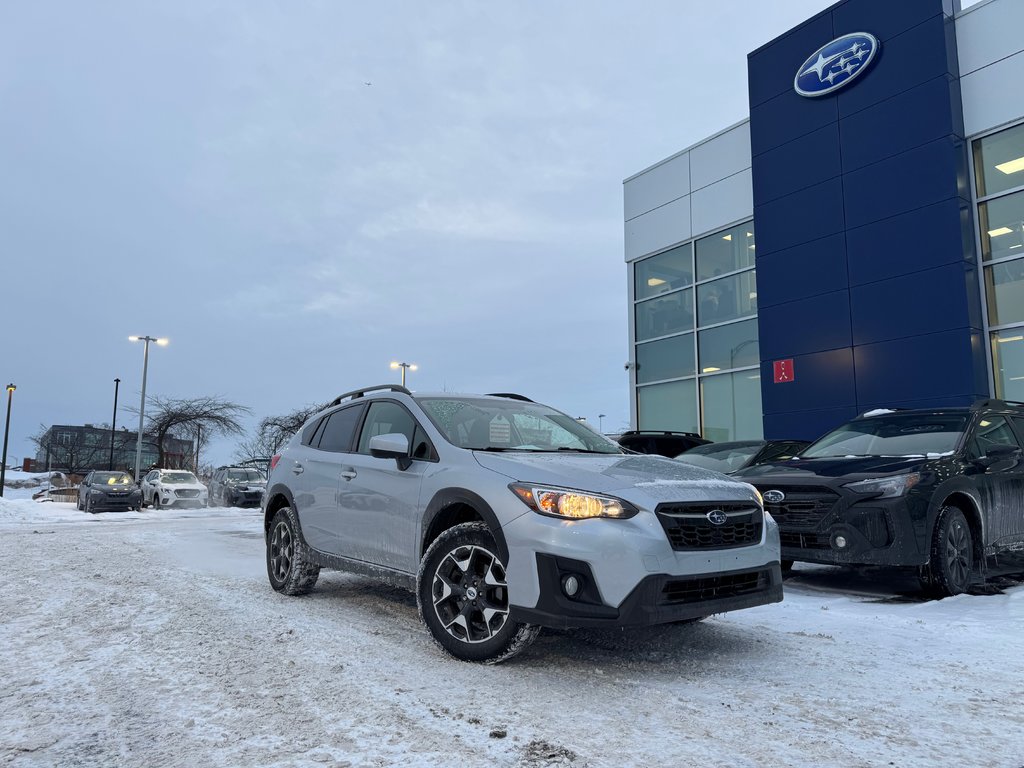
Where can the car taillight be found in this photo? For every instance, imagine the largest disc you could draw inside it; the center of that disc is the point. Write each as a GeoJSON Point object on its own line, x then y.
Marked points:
{"type": "Point", "coordinates": [274, 459]}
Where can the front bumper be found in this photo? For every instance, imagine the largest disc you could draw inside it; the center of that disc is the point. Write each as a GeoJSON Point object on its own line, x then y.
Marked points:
{"type": "Point", "coordinates": [114, 504]}
{"type": "Point", "coordinates": [237, 498]}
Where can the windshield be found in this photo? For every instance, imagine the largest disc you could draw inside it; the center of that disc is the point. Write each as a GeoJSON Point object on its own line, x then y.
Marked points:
{"type": "Point", "coordinates": [721, 457]}
{"type": "Point", "coordinates": [511, 425]}
{"type": "Point", "coordinates": [111, 478]}
{"type": "Point", "coordinates": [178, 477]}
{"type": "Point", "coordinates": [892, 435]}
{"type": "Point", "coordinates": [245, 475]}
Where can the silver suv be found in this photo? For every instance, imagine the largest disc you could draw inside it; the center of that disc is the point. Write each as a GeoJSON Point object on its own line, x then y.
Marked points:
{"type": "Point", "coordinates": [504, 515]}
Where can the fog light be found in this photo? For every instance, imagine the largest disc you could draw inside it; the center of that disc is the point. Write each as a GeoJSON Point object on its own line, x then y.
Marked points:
{"type": "Point", "coordinates": [839, 542]}
{"type": "Point", "coordinates": [571, 585]}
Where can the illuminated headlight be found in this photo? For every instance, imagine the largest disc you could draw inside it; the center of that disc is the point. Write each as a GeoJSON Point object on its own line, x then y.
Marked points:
{"type": "Point", "coordinates": [886, 487]}
{"type": "Point", "coordinates": [571, 505]}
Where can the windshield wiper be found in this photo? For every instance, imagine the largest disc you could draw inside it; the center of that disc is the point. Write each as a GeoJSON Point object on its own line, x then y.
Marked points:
{"type": "Point", "coordinates": [581, 450]}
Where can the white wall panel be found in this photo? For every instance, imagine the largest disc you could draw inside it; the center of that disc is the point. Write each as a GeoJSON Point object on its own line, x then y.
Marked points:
{"type": "Point", "coordinates": [989, 32]}
{"type": "Point", "coordinates": [658, 229]}
{"type": "Point", "coordinates": [722, 203]}
{"type": "Point", "coordinates": [661, 184]}
{"type": "Point", "coordinates": [992, 96]}
{"type": "Point", "coordinates": [720, 157]}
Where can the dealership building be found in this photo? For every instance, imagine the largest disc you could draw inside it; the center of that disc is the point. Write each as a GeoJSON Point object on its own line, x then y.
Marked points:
{"type": "Point", "coordinates": [858, 242]}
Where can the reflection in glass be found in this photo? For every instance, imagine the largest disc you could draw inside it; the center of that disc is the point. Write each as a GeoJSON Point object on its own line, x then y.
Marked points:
{"type": "Point", "coordinates": [725, 251]}
{"type": "Point", "coordinates": [669, 314]}
{"type": "Point", "coordinates": [728, 346]}
{"type": "Point", "coordinates": [1002, 227]}
{"type": "Point", "coordinates": [1004, 292]}
{"type": "Point", "coordinates": [999, 161]}
{"type": "Point", "coordinates": [1008, 360]}
{"type": "Point", "coordinates": [731, 406]}
{"type": "Point", "coordinates": [670, 358]}
{"type": "Point", "coordinates": [729, 298]}
{"type": "Point", "coordinates": [665, 272]}
{"type": "Point", "coordinates": [671, 406]}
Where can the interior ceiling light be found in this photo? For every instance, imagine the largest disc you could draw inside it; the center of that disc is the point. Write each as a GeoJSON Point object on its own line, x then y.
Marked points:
{"type": "Point", "coordinates": [1011, 166]}
{"type": "Point", "coordinates": [1000, 231]}
{"type": "Point", "coordinates": [709, 370]}
{"type": "Point", "coordinates": [727, 237]}
{"type": "Point", "coordinates": [653, 281]}
{"type": "Point", "coordinates": [1004, 339]}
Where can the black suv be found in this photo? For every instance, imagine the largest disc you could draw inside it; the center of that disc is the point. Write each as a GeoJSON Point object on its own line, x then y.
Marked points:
{"type": "Point", "coordinates": [939, 489]}
{"type": "Point", "coordinates": [237, 486]}
{"type": "Point", "coordinates": [668, 444]}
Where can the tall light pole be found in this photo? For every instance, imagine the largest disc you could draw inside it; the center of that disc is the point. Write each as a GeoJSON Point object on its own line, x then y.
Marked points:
{"type": "Point", "coordinates": [600, 422]}
{"type": "Point", "coordinates": [7, 429]}
{"type": "Point", "coordinates": [405, 367]}
{"type": "Point", "coordinates": [113, 425]}
{"type": "Point", "coordinates": [142, 405]}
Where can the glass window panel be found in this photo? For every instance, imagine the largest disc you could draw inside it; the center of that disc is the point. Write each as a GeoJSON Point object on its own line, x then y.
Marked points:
{"type": "Point", "coordinates": [671, 406]}
{"type": "Point", "coordinates": [1008, 361]}
{"type": "Point", "coordinates": [1002, 227]}
{"type": "Point", "coordinates": [728, 346]}
{"type": "Point", "coordinates": [999, 161]}
{"type": "Point", "coordinates": [727, 299]}
{"type": "Point", "coordinates": [670, 358]}
{"type": "Point", "coordinates": [725, 251]}
{"type": "Point", "coordinates": [731, 406]}
{"type": "Point", "coordinates": [665, 272]}
{"type": "Point", "coordinates": [1004, 292]}
{"type": "Point", "coordinates": [669, 314]}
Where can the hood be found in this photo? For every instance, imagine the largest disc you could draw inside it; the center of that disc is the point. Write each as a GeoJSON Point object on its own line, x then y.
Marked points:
{"type": "Point", "coordinates": [805, 470]}
{"type": "Point", "coordinates": [642, 479]}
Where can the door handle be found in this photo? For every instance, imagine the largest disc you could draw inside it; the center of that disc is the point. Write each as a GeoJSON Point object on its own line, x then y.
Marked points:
{"type": "Point", "coordinates": [298, 469]}
{"type": "Point", "coordinates": [348, 473]}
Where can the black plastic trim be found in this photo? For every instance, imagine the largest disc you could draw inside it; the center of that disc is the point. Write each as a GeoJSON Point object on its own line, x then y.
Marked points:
{"type": "Point", "coordinates": [448, 496]}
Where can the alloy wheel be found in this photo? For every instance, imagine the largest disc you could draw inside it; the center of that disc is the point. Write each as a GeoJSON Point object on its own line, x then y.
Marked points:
{"type": "Point", "coordinates": [958, 553]}
{"type": "Point", "coordinates": [470, 594]}
{"type": "Point", "coordinates": [281, 551]}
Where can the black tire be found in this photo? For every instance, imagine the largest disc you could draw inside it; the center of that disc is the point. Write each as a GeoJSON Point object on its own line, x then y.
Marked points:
{"type": "Point", "coordinates": [951, 565]}
{"type": "Point", "coordinates": [81, 508]}
{"type": "Point", "coordinates": [289, 566]}
{"type": "Point", "coordinates": [88, 506]}
{"type": "Point", "coordinates": [449, 589]}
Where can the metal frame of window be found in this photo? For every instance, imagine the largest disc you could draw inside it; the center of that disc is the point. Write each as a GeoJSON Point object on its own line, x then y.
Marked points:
{"type": "Point", "coordinates": [697, 327]}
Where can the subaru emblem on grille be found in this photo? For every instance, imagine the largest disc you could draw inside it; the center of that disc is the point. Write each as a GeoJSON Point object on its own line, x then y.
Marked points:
{"type": "Point", "coordinates": [717, 517]}
{"type": "Point", "coordinates": [774, 497]}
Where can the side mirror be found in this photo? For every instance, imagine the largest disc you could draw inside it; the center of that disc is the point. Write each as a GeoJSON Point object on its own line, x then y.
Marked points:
{"type": "Point", "coordinates": [998, 453]}
{"type": "Point", "coordinates": [391, 446]}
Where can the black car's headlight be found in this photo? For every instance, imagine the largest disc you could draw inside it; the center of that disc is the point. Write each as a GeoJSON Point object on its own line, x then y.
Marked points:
{"type": "Point", "coordinates": [886, 487]}
{"type": "Point", "coordinates": [569, 504]}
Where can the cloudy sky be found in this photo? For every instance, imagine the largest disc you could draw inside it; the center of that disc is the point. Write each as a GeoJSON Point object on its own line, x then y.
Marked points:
{"type": "Point", "coordinates": [298, 193]}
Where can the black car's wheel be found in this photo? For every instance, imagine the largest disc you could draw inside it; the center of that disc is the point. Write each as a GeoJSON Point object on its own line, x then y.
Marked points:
{"type": "Point", "coordinates": [289, 566]}
{"type": "Point", "coordinates": [952, 555]}
{"type": "Point", "coordinates": [88, 505]}
{"type": "Point", "coordinates": [80, 506]}
{"type": "Point", "coordinates": [462, 597]}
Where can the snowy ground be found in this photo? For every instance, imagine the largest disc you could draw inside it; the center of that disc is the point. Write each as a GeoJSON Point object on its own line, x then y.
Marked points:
{"type": "Point", "coordinates": [153, 638]}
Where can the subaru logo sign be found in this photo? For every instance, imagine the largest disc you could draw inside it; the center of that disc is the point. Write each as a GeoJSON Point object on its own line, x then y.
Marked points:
{"type": "Point", "coordinates": [717, 517]}
{"type": "Point", "coordinates": [774, 497]}
{"type": "Point", "coordinates": [836, 64]}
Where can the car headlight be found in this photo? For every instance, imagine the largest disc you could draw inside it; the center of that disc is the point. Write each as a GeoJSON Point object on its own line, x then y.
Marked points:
{"type": "Point", "coordinates": [571, 505]}
{"type": "Point", "coordinates": [886, 487]}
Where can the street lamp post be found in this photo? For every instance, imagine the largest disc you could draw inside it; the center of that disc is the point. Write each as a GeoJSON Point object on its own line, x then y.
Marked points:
{"type": "Point", "coordinates": [142, 405]}
{"type": "Point", "coordinates": [404, 367]}
{"type": "Point", "coordinates": [113, 425]}
{"type": "Point", "coordinates": [7, 430]}
{"type": "Point", "coordinates": [600, 422]}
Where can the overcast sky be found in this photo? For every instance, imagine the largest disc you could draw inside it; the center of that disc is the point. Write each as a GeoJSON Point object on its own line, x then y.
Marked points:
{"type": "Point", "coordinates": [298, 193]}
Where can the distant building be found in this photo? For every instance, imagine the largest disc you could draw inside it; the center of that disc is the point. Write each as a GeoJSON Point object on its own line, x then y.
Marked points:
{"type": "Point", "coordinates": [78, 449]}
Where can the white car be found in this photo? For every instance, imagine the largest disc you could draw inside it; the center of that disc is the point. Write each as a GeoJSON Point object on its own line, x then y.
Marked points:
{"type": "Point", "coordinates": [173, 488]}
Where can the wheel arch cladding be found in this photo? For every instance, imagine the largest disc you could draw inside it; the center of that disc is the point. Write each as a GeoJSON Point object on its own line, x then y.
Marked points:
{"type": "Point", "coordinates": [279, 498]}
{"type": "Point", "coordinates": [452, 506]}
{"type": "Point", "coordinates": [966, 504]}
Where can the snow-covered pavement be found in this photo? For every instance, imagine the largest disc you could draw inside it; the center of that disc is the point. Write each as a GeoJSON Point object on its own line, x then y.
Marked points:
{"type": "Point", "coordinates": [153, 638]}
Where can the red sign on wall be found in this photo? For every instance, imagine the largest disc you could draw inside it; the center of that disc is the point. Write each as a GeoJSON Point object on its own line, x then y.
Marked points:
{"type": "Point", "coordinates": [784, 371]}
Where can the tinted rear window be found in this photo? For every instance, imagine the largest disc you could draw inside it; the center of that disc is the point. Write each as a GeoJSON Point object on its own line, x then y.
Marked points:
{"type": "Point", "coordinates": [340, 429]}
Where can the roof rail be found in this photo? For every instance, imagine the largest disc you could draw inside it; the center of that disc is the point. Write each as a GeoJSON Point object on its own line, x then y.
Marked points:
{"type": "Point", "coordinates": [993, 402]}
{"type": "Point", "coordinates": [510, 396]}
{"type": "Point", "coordinates": [360, 392]}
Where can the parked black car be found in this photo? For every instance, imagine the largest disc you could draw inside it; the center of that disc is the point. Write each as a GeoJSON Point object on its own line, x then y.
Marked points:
{"type": "Point", "coordinates": [942, 490]}
{"type": "Point", "coordinates": [108, 492]}
{"type": "Point", "coordinates": [237, 487]}
{"type": "Point", "coordinates": [667, 444]}
{"type": "Point", "coordinates": [735, 455]}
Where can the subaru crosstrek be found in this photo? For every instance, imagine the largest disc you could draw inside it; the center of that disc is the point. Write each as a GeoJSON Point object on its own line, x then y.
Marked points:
{"type": "Point", "coordinates": [504, 515]}
{"type": "Point", "coordinates": [941, 490]}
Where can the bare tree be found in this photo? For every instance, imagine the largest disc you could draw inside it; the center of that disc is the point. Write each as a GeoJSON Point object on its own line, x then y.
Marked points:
{"type": "Point", "coordinates": [273, 432]}
{"type": "Point", "coordinates": [183, 418]}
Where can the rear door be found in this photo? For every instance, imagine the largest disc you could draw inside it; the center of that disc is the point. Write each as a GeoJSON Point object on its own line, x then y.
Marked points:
{"type": "Point", "coordinates": [380, 502]}
{"type": "Point", "coordinates": [1000, 484]}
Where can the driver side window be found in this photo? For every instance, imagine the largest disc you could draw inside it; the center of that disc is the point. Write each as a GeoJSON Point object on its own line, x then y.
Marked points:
{"type": "Point", "coordinates": [385, 418]}
{"type": "Point", "coordinates": [991, 431]}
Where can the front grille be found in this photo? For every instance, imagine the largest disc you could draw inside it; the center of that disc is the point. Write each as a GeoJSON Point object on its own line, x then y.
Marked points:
{"type": "Point", "coordinates": [688, 527]}
{"type": "Point", "coordinates": [187, 493]}
{"type": "Point", "coordinates": [714, 587]}
{"type": "Point", "coordinates": [803, 507]}
{"type": "Point", "coordinates": [804, 540]}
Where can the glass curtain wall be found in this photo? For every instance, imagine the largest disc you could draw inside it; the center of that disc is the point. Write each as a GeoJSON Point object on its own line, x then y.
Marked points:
{"type": "Point", "coordinates": [696, 347]}
{"type": "Point", "coordinates": [999, 180]}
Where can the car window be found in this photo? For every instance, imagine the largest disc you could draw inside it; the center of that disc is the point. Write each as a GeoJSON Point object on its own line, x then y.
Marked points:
{"type": "Point", "coordinates": [422, 448]}
{"type": "Point", "coordinates": [311, 434]}
{"type": "Point", "coordinates": [175, 478]}
{"type": "Point", "coordinates": [385, 418]}
{"type": "Point", "coordinates": [340, 429]}
{"type": "Point", "coordinates": [895, 434]}
{"type": "Point", "coordinates": [781, 451]}
{"type": "Point", "coordinates": [720, 457]}
{"type": "Point", "coordinates": [991, 431]}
